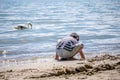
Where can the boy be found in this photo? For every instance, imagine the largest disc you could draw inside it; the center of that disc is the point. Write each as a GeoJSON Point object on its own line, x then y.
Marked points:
{"type": "Point", "coordinates": [68, 47]}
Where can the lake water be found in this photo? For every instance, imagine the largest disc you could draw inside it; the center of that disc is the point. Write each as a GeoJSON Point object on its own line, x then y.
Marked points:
{"type": "Point", "coordinates": [96, 21]}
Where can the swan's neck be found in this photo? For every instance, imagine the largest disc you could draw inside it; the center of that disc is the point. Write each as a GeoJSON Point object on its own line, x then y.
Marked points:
{"type": "Point", "coordinates": [29, 25]}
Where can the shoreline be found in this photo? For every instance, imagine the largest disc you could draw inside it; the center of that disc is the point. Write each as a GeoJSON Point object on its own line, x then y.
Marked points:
{"type": "Point", "coordinates": [36, 59]}
{"type": "Point", "coordinates": [104, 67]}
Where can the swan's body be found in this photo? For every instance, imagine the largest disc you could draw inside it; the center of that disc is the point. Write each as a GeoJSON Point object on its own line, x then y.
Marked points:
{"type": "Point", "coordinates": [21, 27]}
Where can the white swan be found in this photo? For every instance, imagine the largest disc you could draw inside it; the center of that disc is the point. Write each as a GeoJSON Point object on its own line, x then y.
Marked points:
{"type": "Point", "coordinates": [22, 27]}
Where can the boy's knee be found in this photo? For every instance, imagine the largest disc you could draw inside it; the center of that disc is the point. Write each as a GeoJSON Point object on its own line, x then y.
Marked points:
{"type": "Point", "coordinates": [81, 46]}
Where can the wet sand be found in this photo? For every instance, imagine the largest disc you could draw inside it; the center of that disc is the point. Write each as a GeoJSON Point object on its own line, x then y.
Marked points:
{"type": "Point", "coordinates": [104, 67]}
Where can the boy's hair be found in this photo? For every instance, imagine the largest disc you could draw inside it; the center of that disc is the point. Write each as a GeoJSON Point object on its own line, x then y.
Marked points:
{"type": "Point", "coordinates": [75, 35]}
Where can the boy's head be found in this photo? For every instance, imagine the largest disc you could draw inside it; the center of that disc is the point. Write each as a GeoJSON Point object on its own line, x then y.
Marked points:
{"type": "Point", "coordinates": [75, 35]}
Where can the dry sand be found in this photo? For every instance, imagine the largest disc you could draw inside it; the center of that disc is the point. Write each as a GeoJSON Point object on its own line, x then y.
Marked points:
{"type": "Point", "coordinates": [105, 67]}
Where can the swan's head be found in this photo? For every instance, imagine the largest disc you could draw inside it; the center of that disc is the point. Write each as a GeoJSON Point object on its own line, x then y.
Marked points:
{"type": "Point", "coordinates": [29, 25]}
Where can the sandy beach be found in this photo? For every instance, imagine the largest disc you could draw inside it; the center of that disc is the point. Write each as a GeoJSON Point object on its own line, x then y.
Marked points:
{"type": "Point", "coordinates": [104, 67]}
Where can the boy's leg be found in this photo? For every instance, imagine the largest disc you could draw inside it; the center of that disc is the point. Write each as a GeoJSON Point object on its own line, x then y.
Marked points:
{"type": "Point", "coordinates": [81, 54]}
{"type": "Point", "coordinates": [56, 56]}
{"type": "Point", "coordinates": [78, 49]}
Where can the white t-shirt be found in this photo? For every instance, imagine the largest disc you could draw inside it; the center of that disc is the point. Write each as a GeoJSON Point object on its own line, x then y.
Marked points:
{"type": "Point", "coordinates": [67, 43]}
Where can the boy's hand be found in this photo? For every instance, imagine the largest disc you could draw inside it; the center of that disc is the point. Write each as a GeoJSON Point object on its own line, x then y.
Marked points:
{"type": "Point", "coordinates": [82, 45]}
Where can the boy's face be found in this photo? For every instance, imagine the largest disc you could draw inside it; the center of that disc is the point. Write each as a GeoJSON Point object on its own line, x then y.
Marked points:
{"type": "Point", "coordinates": [77, 38]}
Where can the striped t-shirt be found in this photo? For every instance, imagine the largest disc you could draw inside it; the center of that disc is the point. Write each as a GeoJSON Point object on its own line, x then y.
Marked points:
{"type": "Point", "coordinates": [67, 43]}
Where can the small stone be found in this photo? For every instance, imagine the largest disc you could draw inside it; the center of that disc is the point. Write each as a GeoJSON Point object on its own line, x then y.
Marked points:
{"type": "Point", "coordinates": [89, 73]}
{"type": "Point", "coordinates": [60, 72]}
{"type": "Point", "coordinates": [80, 69]}
{"type": "Point", "coordinates": [10, 70]}
{"type": "Point", "coordinates": [107, 67]}
{"type": "Point", "coordinates": [96, 69]}
{"type": "Point", "coordinates": [88, 66]}
{"type": "Point", "coordinates": [70, 71]}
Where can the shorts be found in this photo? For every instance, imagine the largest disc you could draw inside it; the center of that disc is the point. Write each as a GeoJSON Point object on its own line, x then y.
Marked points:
{"type": "Point", "coordinates": [67, 54]}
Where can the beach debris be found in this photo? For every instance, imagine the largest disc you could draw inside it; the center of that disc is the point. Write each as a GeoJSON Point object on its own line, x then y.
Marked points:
{"type": "Point", "coordinates": [10, 70]}
{"type": "Point", "coordinates": [89, 73]}
{"type": "Point", "coordinates": [4, 53]}
{"type": "Point", "coordinates": [30, 70]}
{"type": "Point", "coordinates": [103, 67]}
{"type": "Point", "coordinates": [2, 76]}
{"type": "Point", "coordinates": [117, 66]}
{"type": "Point", "coordinates": [88, 66]}
{"type": "Point", "coordinates": [104, 57]}
{"type": "Point", "coordinates": [82, 77]}
{"type": "Point", "coordinates": [118, 63]}
{"type": "Point", "coordinates": [70, 70]}
{"type": "Point", "coordinates": [81, 69]}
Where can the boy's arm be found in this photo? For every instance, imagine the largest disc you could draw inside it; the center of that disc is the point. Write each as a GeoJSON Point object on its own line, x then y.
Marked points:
{"type": "Point", "coordinates": [82, 54]}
